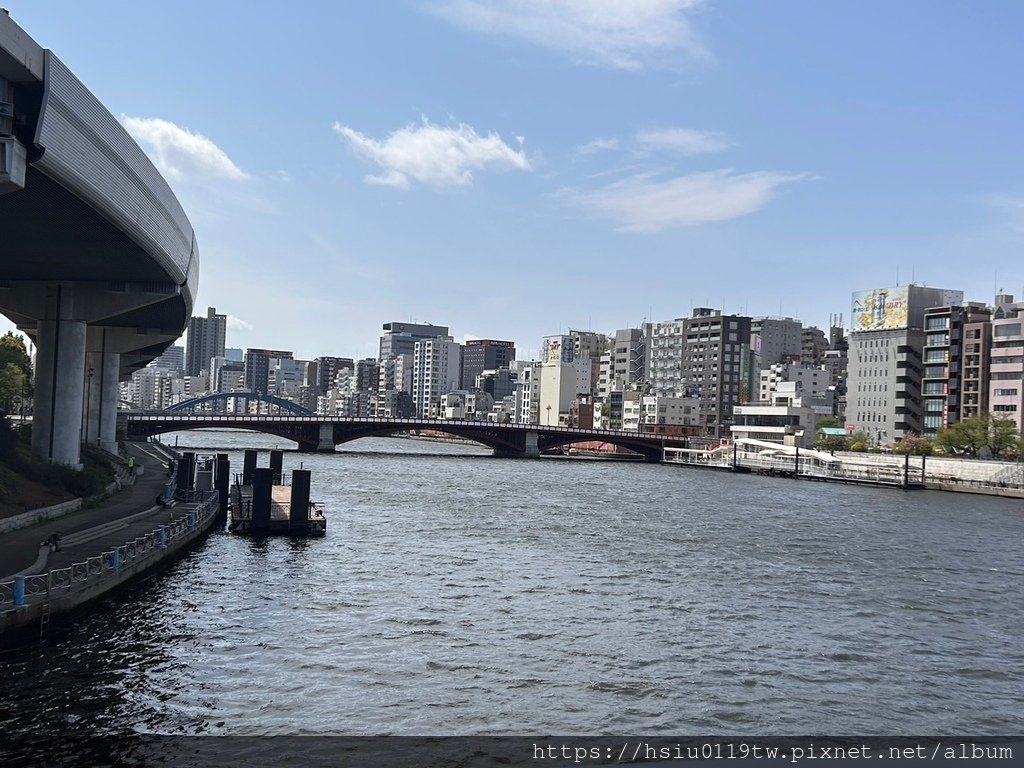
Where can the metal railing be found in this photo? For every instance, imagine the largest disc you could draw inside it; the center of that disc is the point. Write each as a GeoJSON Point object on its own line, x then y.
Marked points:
{"type": "Point", "coordinates": [61, 581]}
{"type": "Point", "coordinates": [424, 423]}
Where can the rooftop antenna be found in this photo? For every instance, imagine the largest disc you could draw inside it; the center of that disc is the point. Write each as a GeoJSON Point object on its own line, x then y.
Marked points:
{"type": "Point", "coordinates": [897, 275]}
{"type": "Point", "coordinates": [911, 274]}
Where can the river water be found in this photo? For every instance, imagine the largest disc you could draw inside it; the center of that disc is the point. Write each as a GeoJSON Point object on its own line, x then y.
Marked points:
{"type": "Point", "coordinates": [456, 593]}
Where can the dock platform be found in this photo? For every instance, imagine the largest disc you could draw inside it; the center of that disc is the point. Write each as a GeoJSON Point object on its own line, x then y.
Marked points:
{"type": "Point", "coordinates": [281, 523]}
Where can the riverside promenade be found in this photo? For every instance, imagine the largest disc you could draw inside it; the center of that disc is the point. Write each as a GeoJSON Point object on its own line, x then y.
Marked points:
{"type": "Point", "coordinates": [129, 522]}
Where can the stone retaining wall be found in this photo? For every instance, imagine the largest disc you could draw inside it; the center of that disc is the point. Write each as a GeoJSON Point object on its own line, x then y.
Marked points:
{"type": "Point", "coordinates": [40, 515]}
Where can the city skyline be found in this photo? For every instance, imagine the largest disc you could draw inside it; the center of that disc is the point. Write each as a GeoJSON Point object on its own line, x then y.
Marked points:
{"type": "Point", "coordinates": [762, 161]}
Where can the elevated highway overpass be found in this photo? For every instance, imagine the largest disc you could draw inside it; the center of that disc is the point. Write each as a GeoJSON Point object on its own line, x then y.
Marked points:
{"type": "Point", "coordinates": [98, 261]}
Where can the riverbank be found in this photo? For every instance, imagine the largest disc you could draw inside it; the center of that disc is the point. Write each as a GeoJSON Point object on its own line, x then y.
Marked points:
{"type": "Point", "coordinates": [101, 549]}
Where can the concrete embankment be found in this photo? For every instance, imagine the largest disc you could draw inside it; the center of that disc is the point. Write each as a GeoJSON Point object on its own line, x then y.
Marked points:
{"type": "Point", "coordinates": [101, 549]}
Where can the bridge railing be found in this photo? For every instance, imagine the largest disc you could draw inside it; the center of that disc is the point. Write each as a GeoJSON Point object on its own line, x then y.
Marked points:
{"type": "Point", "coordinates": [22, 590]}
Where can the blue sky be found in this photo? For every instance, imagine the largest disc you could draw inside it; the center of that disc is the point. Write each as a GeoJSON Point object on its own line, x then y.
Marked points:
{"type": "Point", "coordinates": [513, 169]}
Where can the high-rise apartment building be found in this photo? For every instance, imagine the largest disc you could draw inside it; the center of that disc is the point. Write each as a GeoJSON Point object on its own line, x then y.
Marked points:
{"type": "Point", "coordinates": [205, 341]}
{"type": "Point", "coordinates": [700, 356]}
{"type": "Point", "coordinates": [435, 364]}
{"type": "Point", "coordinates": [327, 369]}
{"type": "Point", "coordinates": [886, 359]}
{"type": "Point", "coordinates": [479, 355]}
{"type": "Point", "coordinates": [945, 345]}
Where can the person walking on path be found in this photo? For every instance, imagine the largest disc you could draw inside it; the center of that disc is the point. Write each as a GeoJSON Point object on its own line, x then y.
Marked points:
{"type": "Point", "coordinates": [131, 463]}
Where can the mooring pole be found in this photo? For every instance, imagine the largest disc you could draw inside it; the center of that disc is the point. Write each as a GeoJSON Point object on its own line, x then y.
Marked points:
{"type": "Point", "coordinates": [262, 483]}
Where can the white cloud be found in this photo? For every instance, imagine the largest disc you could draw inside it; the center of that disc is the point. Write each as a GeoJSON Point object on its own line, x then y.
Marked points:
{"type": "Point", "coordinates": [597, 145]}
{"type": "Point", "coordinates": [178, 152]}
{"type": "Point", "coordinates": [238, 324]}
{"type": "Point", "coordinates": [642, 204]}
{"type": "Point", "coordinates": [684, 141]}
{"type": "Point", "coordinates": [621, 34]}
{"type": "Point", "coordinates": [433, 154]}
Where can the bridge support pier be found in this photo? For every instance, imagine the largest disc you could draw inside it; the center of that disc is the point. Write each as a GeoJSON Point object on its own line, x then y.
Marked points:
{"type": "Point", "coordinates": [325, 443]}
{"type": "Point", "coordinates": [60, 365]}
{"type": "Point", "coordinates": [530, 448]}
{"type": "Point", "coordinates": [101, 392]}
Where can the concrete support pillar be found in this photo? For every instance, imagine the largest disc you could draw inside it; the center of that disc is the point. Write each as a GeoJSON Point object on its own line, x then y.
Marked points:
{"type": "Point", "coordinates": [326, 441]}
{"type": "Point", "coordinates": [110, 393]}
{"type": "Point", "coordinates": [60, 381]}
{"type": "Point", "coordinates": [530, 449]}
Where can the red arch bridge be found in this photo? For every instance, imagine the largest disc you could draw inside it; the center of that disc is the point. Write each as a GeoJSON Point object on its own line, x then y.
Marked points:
{"type": "Point", "coordinates": [323, 433]}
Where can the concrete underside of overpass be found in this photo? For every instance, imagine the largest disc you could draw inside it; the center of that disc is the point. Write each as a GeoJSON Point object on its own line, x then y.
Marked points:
{"type": "Point", "coordinates": [98, 263]}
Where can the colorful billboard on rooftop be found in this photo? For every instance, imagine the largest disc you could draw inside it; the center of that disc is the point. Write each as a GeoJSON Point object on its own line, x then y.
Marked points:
{"type": "Point", "coordinates": [881, 309]}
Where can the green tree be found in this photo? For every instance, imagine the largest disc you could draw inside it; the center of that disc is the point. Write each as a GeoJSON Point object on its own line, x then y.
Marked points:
{"type": "Point", "coordinates": [826, 421]}
{"type": "Point", "coordinates": [1003, 434]}
{"type": "Point", "coordinates": [12, 384]}
{"type": "Point", "coordinates": [15, 370]}
{"type": "Point", "coordinates": [997, 433]}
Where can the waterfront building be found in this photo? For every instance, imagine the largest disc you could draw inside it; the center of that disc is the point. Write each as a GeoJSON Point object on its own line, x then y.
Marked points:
{"type": "Point", "coordinates": [786, 419]}
{"type": "Point", "coordinates": [479, 355]}
{"type": "Point", "coordinates": [814, 382]}
{"type": "Point", "coordinates": [436, 364]}
{"type": "Point", "coordinates": [649, 412]}
{"type": "Point", "coordinates": [526, 395]}
{"type": "Point", "coordinates": [205, 340]}
{"type": "Point", "coordinates": [886, 359]}
{"type": "Point", "coordinates": [700, 356]}
{"type": "Point", "coordinates": [977, 355]}
{"type": "Point", "coordinates": [563, 378]}
{"type": "Point", "coordinates": [623, 363]}
{"type": "Point", "coordinates": [591, 345]}
{"type": "Point", "coordinates": [1006, 386]}
{"type": "Point", "coordinates": [945, 346]}
{"type": "Point", "coordinates": [463, 404]}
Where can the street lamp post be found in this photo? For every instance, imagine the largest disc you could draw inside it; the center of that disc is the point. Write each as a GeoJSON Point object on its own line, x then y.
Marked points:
{"type": "Point", "coordinates": [549, 415]}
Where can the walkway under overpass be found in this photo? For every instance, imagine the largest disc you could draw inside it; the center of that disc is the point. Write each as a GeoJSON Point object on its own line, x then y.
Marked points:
{"type": "Point", "coordinates": [98, 262]}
